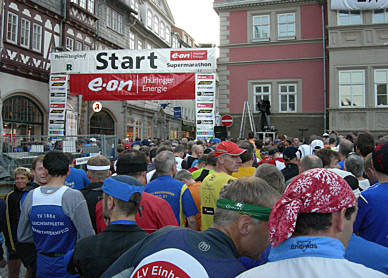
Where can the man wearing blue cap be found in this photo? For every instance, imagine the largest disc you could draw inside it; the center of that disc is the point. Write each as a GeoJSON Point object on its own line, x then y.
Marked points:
{"type": "Point", "coordinates": [93, 255]}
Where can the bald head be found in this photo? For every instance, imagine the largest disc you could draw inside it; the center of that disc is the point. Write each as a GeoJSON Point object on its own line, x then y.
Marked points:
{"type": "Point", "coordinates": [310, 162]}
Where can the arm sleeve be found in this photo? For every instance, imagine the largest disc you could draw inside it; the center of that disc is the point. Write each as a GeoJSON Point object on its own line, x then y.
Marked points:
{"type": "Point", "coordinates": [166, 216]}
{"type": "Point", "coordinates": [125, 264]}
{"type": "Point", "coordinates": [362, 218]}
{"type": "Point", "coordinates": [85, 179]}
{"type": "Point", "coordinates": [74, 206]}
{"type": "Point", "coordinates": [24, 228]}
{"type": "Point", "coordinates": [188, 205]}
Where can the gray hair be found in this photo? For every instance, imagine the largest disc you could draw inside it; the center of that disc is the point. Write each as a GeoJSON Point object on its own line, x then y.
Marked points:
{"type": "Point", "coordinates": [355, 165]}
{"type": "Point", "coordinates": [272, 176]}
{"type": "Point", "coordinates": [183, 174]}
{"type": "Point", "coordinates": [164, 161]}
{"type": "Point", "coordinates": [345, 147]}
{"type": "Point", "coordinates": [310, 162]}
{"type": "Point", "coordinates": [251, 190]}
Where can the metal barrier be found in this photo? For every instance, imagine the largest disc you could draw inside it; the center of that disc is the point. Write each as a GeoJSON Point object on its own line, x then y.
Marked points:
{"type": "Point", "coordinates": [20, 151]}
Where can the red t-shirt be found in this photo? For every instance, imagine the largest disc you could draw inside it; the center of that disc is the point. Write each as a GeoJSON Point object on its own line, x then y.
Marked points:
{"type": "Point", "coordinates": [156, 214]}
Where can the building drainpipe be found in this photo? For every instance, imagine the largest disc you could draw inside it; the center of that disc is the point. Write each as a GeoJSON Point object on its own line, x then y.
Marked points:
{"type": "Point", "coordinates": [2, 3]}
{"type": "Point", "coordinates": [324, 66]}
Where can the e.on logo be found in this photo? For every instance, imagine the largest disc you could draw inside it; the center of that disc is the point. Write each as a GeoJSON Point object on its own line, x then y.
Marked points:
{"type": "Point", "coordinates": [188, 55]}
{"type": "Point", "coordinates": [97, 84]}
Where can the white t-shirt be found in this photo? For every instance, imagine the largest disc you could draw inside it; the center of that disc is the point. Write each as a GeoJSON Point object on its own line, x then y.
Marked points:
{"type": "Point", "coordinates": [312, 267]}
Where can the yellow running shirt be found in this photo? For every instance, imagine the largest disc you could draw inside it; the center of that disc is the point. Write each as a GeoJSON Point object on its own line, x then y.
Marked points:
{"type": "Point", "coordinates": [210, 189]}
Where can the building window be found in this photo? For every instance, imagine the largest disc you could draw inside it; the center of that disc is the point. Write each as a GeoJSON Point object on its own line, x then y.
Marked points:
{"type": "Point", "coordinates": [351, 88]}
{"type": "Point", "coordinates": [162, 30]}
{"type": "Point", "coordinates": [156, 24]}
{"type": "Point", "coordinates": [380, 16]}
{"type": "Point", "coordinates": [114, 20]}
{"type": "Point", "coordinates": [185, 38]}
{"type": "Point", "coordinates": [148, 45]}
{"type": "Point", "coordinates": [286, 26]}
{"type": "Point", "coordinates": [69, 44]}
{"type": "Point", "coordinates": [136, 8]}
{"type": "Point", "coordinates": [82, 3]}
{"type": "Point", "coordinates": [78, 46]}
{"type": "Point", "coordinates": [174, 42]}
{"type": "Point", "coordinates": [261, 92]}
{"type": "Point", "coordinates": [168, 35]}
{"type": "Point", "coordinates": [25, 33]}
{"type": "Point", "coordinates": [349, 17]}
{"type": "Point", "coordinates": [261, 27]}
{"type": "Point", "coordinates": [12, 28]}
{"type": "Point", "coordinates": [36, 37]}
{"type": "Point", "coordinates": [139, 44]}
{"type": "Point", "coordinates": [131, 40]}
{"type": "Point", "coordinates": [86, 47]}
{"type": "Point", "coordinates": [102, 123]}
{"type": "Point", "coordinates": [381, 87]}
{"type": "Point", "coordinates": [91, 6]}
{"type": "Point", "coordinates": [22, 116]}
{"type": "Point", "coordinates": [149, 19]}
{"type": "Point", "coordinates": [287, 93]}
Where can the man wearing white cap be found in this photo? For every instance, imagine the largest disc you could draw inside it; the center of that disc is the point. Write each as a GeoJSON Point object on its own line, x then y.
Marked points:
{"type": "Point", "coordinates": [310, 227]}
{"type": "Point", "coordinates": [228, 161]}
{"type": "Point", "coordinates": [98, 169]}
{"type": "Point", "coordinates": [93, 255]}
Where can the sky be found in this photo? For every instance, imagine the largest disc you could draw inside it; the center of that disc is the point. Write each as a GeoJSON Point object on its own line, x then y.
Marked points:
{"type": "Point", "coordinates": [197, 18]}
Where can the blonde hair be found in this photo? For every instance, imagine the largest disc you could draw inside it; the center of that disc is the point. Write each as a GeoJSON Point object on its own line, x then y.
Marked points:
{"type": "Point", "coordinates": [22, 171]}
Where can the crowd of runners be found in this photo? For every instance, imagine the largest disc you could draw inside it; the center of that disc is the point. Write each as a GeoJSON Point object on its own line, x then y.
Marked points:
{"type": "Point", "coordinates": [185, 208]}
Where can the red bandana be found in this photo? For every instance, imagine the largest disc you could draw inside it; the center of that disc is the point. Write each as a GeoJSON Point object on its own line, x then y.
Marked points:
{"type": "Point", "coordinates": [314, 191]}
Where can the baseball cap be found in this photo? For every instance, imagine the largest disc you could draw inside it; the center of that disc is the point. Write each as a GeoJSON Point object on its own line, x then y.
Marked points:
{"type": "Point", "coordinates": [325, 134]}
{"type": "Point", "coordinates": [290, 153]}
{"type": "Point", "coordinates": [380, 158]}
{"type": "Point", "coordinates": [120, 190]}
{"type": "Point", "coordinates": [317, 144]}
{"type": "Point", "coordinates": [215, 141]}
{"type": "Point", "coordinates": [228, 147]}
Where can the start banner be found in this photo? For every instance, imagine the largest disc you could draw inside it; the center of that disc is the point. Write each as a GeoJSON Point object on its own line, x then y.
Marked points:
{"type": "Point", "coordinates": [135, 61]}
{"type": "Point", "coordinates": [157, 86]}
{"type": "Point", "coordinates": [358, 4]}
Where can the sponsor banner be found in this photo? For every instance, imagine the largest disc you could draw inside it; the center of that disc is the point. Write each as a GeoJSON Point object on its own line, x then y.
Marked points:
{"type": "Point", "coordinates": [135, 61]}
{"type": "Point", "coordinates": [57, 126]}
{"type": "Point", "coordinates": [164, 86]}
{"type": "Point", "coordinates": [358, 4]}
{"type": "Point", "coordinates": [58, 100]}
{"type": "Point", "coordinates": [178, 112]}
{"type": "Point", "coordinates": [71, 123]}
{"type": "Point", "coordinates": [57, 117]}
{"type": "Point", "coordinates": [57, 104]}
{"type": "Point", "coordinates": [205, 105]}
{"type": "Point", "coordinates": [56, 132]}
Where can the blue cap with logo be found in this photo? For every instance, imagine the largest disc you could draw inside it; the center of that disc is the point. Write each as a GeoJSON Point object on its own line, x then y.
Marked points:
{"type": "Point", "coordinates": [120, 190]}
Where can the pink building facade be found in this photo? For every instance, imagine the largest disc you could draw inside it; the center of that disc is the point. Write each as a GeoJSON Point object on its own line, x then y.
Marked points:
{"type": "Point", "coordinates": [272, 50]}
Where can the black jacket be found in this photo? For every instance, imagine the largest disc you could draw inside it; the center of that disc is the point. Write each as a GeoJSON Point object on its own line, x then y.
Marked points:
{"type": "Point", "coordinates": [92, 193]}
{"type": "Point", "coordinates": [94, 254]}
{"type": "Point", "coordinates": [290, 171]}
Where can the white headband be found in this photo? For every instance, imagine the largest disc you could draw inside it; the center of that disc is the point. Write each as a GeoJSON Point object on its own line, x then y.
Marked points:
{"type": "Point", "coordinates": [98, 168]}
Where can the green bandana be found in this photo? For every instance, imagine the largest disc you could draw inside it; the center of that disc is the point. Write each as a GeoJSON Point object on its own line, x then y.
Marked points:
{"type": "Point", "coordinates": [258, 212]}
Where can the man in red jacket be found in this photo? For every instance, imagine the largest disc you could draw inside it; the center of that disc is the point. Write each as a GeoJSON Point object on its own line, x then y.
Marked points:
{"type": "Point", "coordinates": [156, 212]}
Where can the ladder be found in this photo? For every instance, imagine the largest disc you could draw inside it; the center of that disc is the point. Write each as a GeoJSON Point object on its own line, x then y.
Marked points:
{"type": "Point", "coordinates": [247, 109]}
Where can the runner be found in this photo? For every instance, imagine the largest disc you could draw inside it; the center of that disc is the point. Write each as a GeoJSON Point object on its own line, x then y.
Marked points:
{"type": "Point", "coordinates": [53, 217]}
